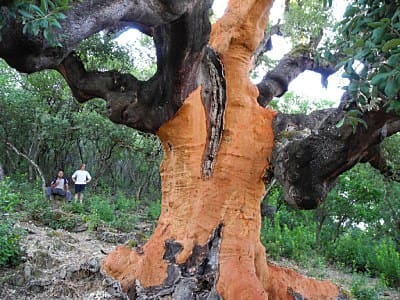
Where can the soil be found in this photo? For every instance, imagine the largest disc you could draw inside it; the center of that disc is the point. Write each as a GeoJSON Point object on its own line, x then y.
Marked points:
{"type": "Point", "coordinates": [67, 265]}
{"type": "Point", "coordinates": [62, 265]}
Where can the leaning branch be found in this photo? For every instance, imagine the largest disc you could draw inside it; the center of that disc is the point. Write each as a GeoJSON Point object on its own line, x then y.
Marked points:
{"type": "Point", "coordinates": [378, 160]}
{"type": "Point", "coordinates": [35, 165]}
{"type": "Point", "coordinates": [146, 105]}
{"type": "Point", "coordinates": [30, 54]}
{"type": "Point", "coordinates": [275, 83]}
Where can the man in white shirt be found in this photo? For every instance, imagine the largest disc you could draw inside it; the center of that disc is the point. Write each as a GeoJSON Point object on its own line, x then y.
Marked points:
{"type": "Point", "coordinates": [59, 186]}
{"type": "Point", "coordinates": [80, 178]}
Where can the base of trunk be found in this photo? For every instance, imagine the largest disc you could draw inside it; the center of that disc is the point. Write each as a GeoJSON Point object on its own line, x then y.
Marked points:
{"type": "Point", "coordinates": [198, 276]}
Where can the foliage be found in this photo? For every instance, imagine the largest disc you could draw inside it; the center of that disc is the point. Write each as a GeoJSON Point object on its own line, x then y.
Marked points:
{"type": "Point", "coordinates": [292, 103]}
{"type": "Point", "coordinates": [153, 211]}
{"type": "Point", "coordinates": [56, 132]}
{"type": "Point", "coordinates": [356, 229]}
{"type": "Point", "coordinates": [372, 59]}
{"type": "Point", "coordinates": [10, 236]}
{"type": "Point", "coordinates": [361, 291]}
{"type": "Point", "coordinates": [39, 19]}
{"type": "Point", "coordinates": [305, 21]}
{"type": "Point", "coordinates": [107, 51]}
{"type": "Point", "coordinates": [281, 241]}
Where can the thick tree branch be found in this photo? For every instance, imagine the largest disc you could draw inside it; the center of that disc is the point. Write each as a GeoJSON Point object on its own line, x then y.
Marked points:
{"type": "Point", "coordinates": [180, 47]}
{"type": "Point", "coordinates": [378, 160]}
{"type": "Point", "coordinates": [275, 83]}
{"type": "Point", "coordinates": [311, 151]}
{"type": "Point", "coordinates": [30, 54]}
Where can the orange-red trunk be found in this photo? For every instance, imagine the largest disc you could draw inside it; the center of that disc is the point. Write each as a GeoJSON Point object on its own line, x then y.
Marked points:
{"type": "Point", "coordinates": [193, 207]}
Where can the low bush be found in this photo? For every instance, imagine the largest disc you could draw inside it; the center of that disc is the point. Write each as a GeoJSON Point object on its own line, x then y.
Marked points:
{"type": "Point", "coordinates": [10, 235]}
{"type": "Point", "coordinates": [281, 241]}
{"type": "Point", "coordinates": [359, 251]}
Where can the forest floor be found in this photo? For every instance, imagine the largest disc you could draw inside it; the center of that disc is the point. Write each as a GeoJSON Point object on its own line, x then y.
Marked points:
{"type": "Point", "coordinates": [59, 264]}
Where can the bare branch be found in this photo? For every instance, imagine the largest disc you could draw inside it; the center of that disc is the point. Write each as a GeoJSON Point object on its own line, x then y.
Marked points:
{"type": "Point", "coordinates": [31, 162]}
{"type": "Point", "coordinates": [275, 83]}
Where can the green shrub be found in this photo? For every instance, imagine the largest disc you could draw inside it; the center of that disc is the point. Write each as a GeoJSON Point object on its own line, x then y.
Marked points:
{"type": "Point", "coordinates": [153, 211]}
{"type": "Point", "coordinates": [352, 249]}
{"type": "Point", "coordinates": [125, 221]}
{"type": "Point", "coordinates": [361, 291]}
{"type": "Point", "coordinates": [124, 204]}
{"type": "Point", "coordinates": [359, 251]}
{"type": "Point", "coordinates": [386, 262]}
{"type": "Point", "coordinates": [101, 208]}
{"type": "Point", "coordinates": [10, 236]}
{"type": "Point", "coordinates": [280, 241]}
{"type": "Point", "coordinates": [10, 248]}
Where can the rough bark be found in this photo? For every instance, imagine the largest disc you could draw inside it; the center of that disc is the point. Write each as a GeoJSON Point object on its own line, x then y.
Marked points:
{"type": "Point", "coordinates": [275, 83]}
{"type": "Point", "coordinates": [217, 142]}
{"type": "Point", "coordinates": [195, 206]}
{"type": "Point", "coordinates": [85, 18]}
{"type": "Point", "coordinates": [311, 151]}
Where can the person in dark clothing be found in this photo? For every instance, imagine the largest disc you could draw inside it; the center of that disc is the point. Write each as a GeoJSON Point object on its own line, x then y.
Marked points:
{"type": "Point", "coordinates": [59, 186]}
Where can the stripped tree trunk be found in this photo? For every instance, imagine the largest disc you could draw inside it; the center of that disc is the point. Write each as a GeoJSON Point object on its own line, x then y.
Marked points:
{"type": "Point", "coordinates": [207, 242]}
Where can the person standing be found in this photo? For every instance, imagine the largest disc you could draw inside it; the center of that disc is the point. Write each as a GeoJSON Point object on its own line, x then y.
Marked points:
{"type": "Point", "coordinates": [59, 186]}
{"type": "Point", "coordinates": [80, 177]}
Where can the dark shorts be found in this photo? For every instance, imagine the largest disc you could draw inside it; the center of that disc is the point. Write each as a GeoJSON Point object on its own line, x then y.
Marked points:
{"type": "Point", "coordinates": [79, 188]}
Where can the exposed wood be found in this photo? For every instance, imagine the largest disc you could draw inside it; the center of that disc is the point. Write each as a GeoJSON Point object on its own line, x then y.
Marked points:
{"type": "Point", "coordinates": [193, 206]}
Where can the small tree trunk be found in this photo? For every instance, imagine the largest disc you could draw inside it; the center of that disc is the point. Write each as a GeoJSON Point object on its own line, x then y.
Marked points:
{"type": "Point", "coordinates": [31, 163]}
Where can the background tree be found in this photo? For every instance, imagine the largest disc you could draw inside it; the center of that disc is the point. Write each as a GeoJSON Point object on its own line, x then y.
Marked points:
{"type": "Point", "coordinates": [206, 147]}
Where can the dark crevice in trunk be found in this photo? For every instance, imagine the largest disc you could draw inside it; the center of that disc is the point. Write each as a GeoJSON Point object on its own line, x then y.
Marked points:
{"type": "Point", "coordinates": [194, 279]}
{"type": "Point", "coordinates": [214, 99]}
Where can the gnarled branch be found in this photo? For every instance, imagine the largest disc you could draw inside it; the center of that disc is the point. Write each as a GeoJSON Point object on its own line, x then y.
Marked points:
{"type": "Point", "coordinates": [275, 83]}
{"type": "Point", "coordinates": [146, 105]}
{"type": "Point", "coordinates": [311, 151]}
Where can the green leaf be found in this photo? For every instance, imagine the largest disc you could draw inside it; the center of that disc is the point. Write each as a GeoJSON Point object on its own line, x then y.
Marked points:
{"type": "Point", "coordinates": [340, 123]}
{"type": "Point", "coordinates": [55, 23]}
{"type": "Point", "coordinates": [46, 34]}
{"type": "Point", "coordinates": [350, 11]}
{"type": "Point", "coordinates": [43, 5]}
{"type": "Point", "coordinates": [377, 34]}
{"type": "Point", "coordinates": [37, 10]}
{"type": "Point", "coordinates": [44, 23]}
{"type": "Point", "coordinates": [380, 77]}
{"type": "Point", "coordinates": [354, 113]}
{"type": "Point", "coordinates": [394, 60]}
{"type": "Point", "coordinates": [25, 14]}
{"type": "Point", "coordinates": [375, 24]}
{"type": "Point", "coordinates": [391, 44]}
{"type": "Point", "coordinates": [392, 88]}
{"type": "Point", "coordinates": [35, 28]}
